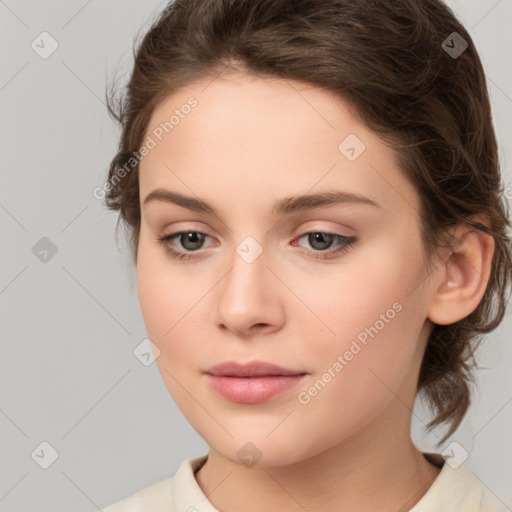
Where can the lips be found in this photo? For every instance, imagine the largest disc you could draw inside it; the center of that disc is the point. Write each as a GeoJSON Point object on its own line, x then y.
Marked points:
{"type": "Point", "coordinates": [253, 369]}
{"type": "Point", "coordinates": [251, 383]}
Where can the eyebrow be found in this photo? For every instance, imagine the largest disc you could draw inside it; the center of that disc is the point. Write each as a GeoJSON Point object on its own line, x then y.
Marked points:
{"type": "Point", "coordinates": [281, 207]}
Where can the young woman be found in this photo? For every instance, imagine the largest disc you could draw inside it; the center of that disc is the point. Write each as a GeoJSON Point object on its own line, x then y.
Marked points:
{"type": "Point", "coordinates": [316, 215]}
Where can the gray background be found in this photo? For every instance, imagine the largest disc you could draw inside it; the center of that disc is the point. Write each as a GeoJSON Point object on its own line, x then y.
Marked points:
{"type": "Point", "coordinates": [70, 325]}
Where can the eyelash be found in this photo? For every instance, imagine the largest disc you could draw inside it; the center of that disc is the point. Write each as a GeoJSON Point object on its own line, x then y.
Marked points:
{"type": "Point", "coordinates": [347, 244]}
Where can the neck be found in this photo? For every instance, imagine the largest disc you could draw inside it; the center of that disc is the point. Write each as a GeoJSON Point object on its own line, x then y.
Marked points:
{"type": "Point", "coordinates": [375, 471]}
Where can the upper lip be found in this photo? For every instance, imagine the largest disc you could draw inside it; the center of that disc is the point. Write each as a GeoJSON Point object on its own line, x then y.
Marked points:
{"type": "Point", "coordinates": [252, 369]}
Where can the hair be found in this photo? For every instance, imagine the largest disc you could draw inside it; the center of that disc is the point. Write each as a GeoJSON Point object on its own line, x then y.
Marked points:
{"type": "Point", "coordinates": [387, 60]}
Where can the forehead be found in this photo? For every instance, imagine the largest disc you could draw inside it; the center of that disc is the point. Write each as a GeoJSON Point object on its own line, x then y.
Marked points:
{"type": "Point", "coordinates": [266, 109]}
{"type": "Point", "coordinates": [271, 135]}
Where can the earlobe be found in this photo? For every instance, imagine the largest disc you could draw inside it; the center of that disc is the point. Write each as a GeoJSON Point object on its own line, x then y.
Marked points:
{"type": "Point", "coordinates": [463, 277]}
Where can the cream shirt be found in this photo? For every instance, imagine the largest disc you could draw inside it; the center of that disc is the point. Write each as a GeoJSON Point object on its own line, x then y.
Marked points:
{"type": "Point", "coordinates": [454, 490]}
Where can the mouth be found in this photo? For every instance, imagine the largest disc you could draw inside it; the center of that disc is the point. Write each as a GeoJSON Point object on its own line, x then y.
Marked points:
{"type": "Point", "coordinates": [252, 383]}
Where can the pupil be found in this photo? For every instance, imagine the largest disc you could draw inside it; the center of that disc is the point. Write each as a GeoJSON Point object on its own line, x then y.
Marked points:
{"type": "Point", "coordinates": [315, 237]}
{"type": "Point", "coordinates": [195, 239]}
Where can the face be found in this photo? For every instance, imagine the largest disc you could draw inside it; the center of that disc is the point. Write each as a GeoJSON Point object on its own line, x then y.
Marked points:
{"type": "Point", "coordinates": [333, 289]}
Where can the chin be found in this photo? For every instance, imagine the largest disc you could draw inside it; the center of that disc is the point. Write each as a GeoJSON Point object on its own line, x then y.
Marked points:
{"type": "Point", "coordinates": [259, 451]}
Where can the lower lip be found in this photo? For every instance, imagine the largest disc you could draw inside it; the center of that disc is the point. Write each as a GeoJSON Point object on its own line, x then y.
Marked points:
{"type": "Point", "coordinates": [252, 390]}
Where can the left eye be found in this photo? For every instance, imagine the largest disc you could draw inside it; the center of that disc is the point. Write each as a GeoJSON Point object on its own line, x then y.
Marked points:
{"type": "Point", "coordinates": [321, 240]}
{"type": "Point", "coordinates": [192, 241]}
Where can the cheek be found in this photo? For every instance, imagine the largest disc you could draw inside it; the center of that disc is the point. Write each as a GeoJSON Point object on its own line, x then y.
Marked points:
{"type": "Point", "coordinates": [172, 305]}
{"type": "Point", "coordinates": [155, 298]}
{"type": "Point", "coordinates": [371, 317]}
{"type": "Point", "coordinates": [166, 300]}
{"type": "Point", "coordinates": [367, 288]}
{"type": "Point", "coordinates": [163, 292]}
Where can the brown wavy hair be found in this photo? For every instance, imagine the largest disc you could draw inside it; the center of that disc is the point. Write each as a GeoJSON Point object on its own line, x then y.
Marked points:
{"type": "Point", "coordinates": [388, 61]}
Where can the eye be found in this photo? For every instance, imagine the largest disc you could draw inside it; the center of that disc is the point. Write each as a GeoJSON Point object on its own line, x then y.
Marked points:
{"type": "Point", "coordinates": [192, 241]}
{"type": "Point", "coordinates": [321, 240]}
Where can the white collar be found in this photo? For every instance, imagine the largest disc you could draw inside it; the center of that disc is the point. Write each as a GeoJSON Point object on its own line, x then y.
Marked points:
{"type": "Point", "coordinates": [454, 490]}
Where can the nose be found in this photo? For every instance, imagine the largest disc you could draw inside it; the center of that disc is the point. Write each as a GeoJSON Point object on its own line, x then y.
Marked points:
{"type": "Point", "coordinates": [248, 299]}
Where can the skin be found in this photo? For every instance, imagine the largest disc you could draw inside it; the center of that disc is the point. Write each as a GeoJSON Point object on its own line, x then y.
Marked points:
{"type": "Point", "coordinates": [249, 142]}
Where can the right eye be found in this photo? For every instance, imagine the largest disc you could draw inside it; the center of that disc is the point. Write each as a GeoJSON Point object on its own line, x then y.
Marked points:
{"type": "Point", "coordinates": [190, 241]}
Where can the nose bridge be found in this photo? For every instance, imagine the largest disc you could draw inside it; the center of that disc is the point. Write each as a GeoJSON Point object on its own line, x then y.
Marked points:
{"type": "Point", "coordinates": [245, 297]}
{"type": "Point", "coordinates": [248, 272]}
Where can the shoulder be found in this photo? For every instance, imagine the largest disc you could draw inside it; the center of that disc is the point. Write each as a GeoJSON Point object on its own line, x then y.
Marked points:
{"type": "Point", "coordinates": [167, 495]}
{"type": "Point", "coordinates": [149, 498]}
{"type": "Point", "coordinates": [456, 489]}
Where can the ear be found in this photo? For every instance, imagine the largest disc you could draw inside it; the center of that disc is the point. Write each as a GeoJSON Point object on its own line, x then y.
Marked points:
{"type": "Point", "coordinates": [463, 276]}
